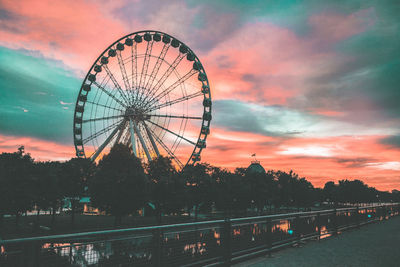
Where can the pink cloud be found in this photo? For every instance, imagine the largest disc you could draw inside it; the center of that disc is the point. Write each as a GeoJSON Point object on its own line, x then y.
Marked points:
{"type": "Point", "coordinates": [333, 27]}
{"type": "Point", "coordinates": [281, 63]}
{"type": "Point", "coordinates": [39, 149]}
{"type": "Point", "coordinates": [278, 60]}
{"type": "Point", "coordinates": [73, 31]}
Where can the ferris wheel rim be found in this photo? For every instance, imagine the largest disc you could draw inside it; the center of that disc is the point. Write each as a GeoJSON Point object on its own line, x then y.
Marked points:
{"type": "Point", "coordinates": [205, 124]}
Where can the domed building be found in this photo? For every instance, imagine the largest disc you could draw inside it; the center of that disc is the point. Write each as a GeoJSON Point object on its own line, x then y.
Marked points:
{"type": "Point", "coordinates": [255, 167]}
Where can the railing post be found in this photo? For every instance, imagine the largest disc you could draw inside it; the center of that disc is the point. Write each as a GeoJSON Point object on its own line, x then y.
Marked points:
{"type": "Point", "coordinates": [319, 225]}
{"type": "Point", "coordinates": [227, 242]}
{"type": "Point", "coordinates": [157, 247]}
{"type": "Point", "coordinates": [297, 228]}
{"type": "Point", "coordinates": [334, 222]}
{"type": "Point", "coordinates": [357, 217]}
{"type": "Point", "coordinates": [347, 219]}
{"type": "Point", "coordinates": [384, 212]}
{"type": "Point", "coordinates": [379, 213]}
{"type": "Point", "coordinates": [269, 236]}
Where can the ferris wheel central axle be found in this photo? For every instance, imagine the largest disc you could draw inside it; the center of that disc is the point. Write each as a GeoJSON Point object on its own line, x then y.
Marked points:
{"type": "Point", "coordinates": [136, 114]}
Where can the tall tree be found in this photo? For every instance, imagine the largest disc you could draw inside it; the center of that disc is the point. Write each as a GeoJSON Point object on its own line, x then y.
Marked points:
{"type": "Point", "coordinates": [198, 185]}
{"type": "Point", "coordinates": [119, 185]}
{"type": "Point", "coordinates": [16, 182]}
{"type": "Point", "coordinates": [166, 187]}
{"type": "Point", "coordinates": [261, 187]}
{"type": "Point", "coordinates": [230, 191]}
{"type": "Point", "coordinates": [303, 193]}
{"type": "Point", "coordinates": [75, 176]}
{"type": "Point", "coordinates": [48, 192]}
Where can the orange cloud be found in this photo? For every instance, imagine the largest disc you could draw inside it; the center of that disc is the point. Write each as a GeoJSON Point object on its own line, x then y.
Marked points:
{"type": "Point", "coordinates": [39, 149]}
{"type": "Point", "coordinates": [318, 159]}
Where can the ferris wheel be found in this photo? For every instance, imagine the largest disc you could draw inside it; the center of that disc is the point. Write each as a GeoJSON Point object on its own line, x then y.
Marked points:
{"type": "Point", "coordinates": [147, 90]}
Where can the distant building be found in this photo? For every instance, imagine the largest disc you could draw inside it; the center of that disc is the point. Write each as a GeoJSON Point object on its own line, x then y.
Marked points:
{"type": "Point", "coordinates": [255, 167]}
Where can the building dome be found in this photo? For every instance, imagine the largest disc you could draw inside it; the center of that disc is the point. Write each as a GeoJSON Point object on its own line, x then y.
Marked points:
{"type": "Point", "coordinates": [255, 167]}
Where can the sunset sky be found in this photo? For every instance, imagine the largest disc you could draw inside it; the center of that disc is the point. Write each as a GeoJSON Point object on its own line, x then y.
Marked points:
{"type": "Point", "coordinates": [312, 86]}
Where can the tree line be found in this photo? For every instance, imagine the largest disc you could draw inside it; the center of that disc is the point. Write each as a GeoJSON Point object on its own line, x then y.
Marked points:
{"type": "Point", "coordinates": [120, 184]}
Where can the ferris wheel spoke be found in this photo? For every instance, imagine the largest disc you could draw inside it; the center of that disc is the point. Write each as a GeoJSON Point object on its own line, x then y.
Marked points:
{"type": "Point", "coordinates": [116, 84]}
{"type": "Point", "coordinates": [176, 117]}
{"type": "Point", "coordinates": [145, 66]}
{"type": "Point", "coordinates": [165, 147]}
{"type": "Point", "coordinates": [125, 137]}
{"type": "Point", "coordinates": [106, 142]}
{"type": "Point", "coordinates": [175, 101]}
{"type": "Point", "coordinates": [150, 136]}
{"type": "Point", "coordinates": [102, 118]}
{"type": "Point", "coordinates": [171, 132]}
{"type": "Point", "coordinates": [141, 140]}
{"type": "Point", "coordinates": [109, 94]}
{"type": "Point", "coordinates": [123, 126]}
{"type": "Point", "coordinates": [173, 86]}
{"type": "Point", "coordinates": [123, 71]}
{"type": "Point", "coordinates": [157, 66]}
{"type": "Point", "coordinates": [166, 74]}
{"type": "Point", "coordinates": [101, 105]}
{"type": "Point", "coordinates": [102, 131]}
{"type": "Point", "coordinates": [134, 80]}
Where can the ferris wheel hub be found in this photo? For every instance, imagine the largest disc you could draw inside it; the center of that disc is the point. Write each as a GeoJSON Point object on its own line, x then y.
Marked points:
{"type": "Point", "coordinates": [136, 114]}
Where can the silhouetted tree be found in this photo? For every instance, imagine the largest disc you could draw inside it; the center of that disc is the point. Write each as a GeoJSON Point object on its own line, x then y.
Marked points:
{"type": "Point", "coordinates": [74, 181]}
{"type": "Point", "coordinates": [241, 191]}
{"type": "Point", "coordinates": [16, 183]}
{"type": "Point", "coordinates": [232, 192]}
{"type": "Point", "coordinates": [330, 192]}
{"type": "Point", "coordinates": [198, 185]}
{"type": "Point", "coordinates": [285, 188]}
{"type": "Point", "coordinates": [166, 186]}
{"type": "Point", "coordinates": [302, 192]}
{"type": "Point", "coordinates": [261, 185]}
{"type": "Point", "coordinates": [48, 192]}
{"type": "Point", "coordinates": [119, 185]}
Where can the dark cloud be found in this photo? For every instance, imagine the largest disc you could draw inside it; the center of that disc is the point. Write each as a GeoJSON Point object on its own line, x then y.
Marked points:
{"type": "Point", "coordinates": [224, 62]}
{"type": "Point", "coordinates": [364, 81]}
{"type": "Point", "coordinates": [393, 140]}
{"type": "Point", "coordinates": [204, 26]}
{"type": "Point", "coordinates": [354, 162]}
{"type": "Point", "coordinates": [236, 116]}
{"type": "Point", "coordinates": [240, 116]}
{"type": "Point", "coordinates": [222, 148]}
{"type": "Point", "coordinates": [11, 22]}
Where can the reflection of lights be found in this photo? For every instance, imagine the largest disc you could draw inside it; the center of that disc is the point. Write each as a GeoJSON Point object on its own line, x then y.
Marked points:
{"type": "Point", "coordinates": [216, 235]}
{"type": "Point", "coordinates": [369, 215]}
{"type": "Point", "coordinates": [290, 231]}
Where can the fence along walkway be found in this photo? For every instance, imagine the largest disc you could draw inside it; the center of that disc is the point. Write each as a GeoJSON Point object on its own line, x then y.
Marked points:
{"type": "Point", "coordinates": [190, 244]}
{"type": "Point", "coordinates": [372, 246]}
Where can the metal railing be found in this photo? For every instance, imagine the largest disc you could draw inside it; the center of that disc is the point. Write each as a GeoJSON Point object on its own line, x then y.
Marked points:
{"type": "Point", "coordinates": [218, 242]}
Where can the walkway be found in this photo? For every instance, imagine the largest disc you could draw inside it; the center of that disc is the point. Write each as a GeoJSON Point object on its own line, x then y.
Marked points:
{"type": "Point", "coordinates": [372, 245]}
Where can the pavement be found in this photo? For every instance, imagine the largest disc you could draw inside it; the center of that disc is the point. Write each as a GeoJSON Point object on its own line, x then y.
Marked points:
{"type": "Point", "coordinates": [375, 245]}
